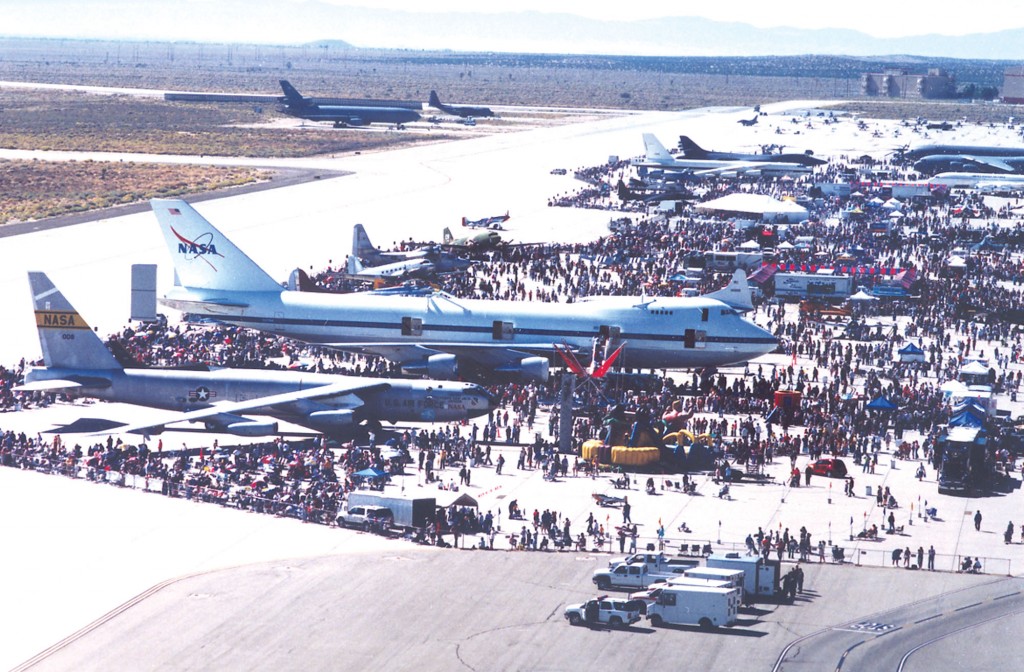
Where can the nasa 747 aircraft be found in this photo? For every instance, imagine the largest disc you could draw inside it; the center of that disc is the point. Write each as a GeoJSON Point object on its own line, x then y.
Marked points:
{"type": "Point", "coordinates": [438, 334]}
{"type": "Point", "coordinates": [78, 363]}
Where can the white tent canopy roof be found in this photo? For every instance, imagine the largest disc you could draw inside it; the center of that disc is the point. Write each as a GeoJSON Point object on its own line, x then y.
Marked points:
{"type": "Point", "coordinates": [754, 204]}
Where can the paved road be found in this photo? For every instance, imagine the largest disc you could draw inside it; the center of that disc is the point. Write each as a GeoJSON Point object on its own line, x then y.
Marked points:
{"type": "Point", "coordinates": [420, 608]}
{"type": "Point", "coordinates": [928, 634]}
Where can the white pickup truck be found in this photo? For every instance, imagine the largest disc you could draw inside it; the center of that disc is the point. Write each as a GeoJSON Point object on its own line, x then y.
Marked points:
{"type": "Point", "coordinates": [657, 563]}
{"type": "Point", "coordinates": [604, 611]}
{"type": "Point", "coordinates": [633, 576]}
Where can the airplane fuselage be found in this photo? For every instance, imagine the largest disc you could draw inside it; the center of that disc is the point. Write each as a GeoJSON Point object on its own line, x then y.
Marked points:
{"type": "Point", "coordinates": [353, 115]}
{"type": "Point", "coordinates": [922, 151]}
{"type": "Point", "coordinates": [662, 333]}
{"type": "Point", "coordinates": [395, 400]}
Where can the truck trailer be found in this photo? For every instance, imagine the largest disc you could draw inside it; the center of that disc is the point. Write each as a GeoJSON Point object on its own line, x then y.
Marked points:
{"type": "Point", "coordinates": [760, 576]}
{"type": "Point", "coordinates": [408, 512]}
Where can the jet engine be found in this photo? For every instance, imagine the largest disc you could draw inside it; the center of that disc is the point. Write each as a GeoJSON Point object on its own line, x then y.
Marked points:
{"type": "Point", "coordinates": [250, 428]}
{"type": "Point", "coordinates": [529, 369]}
{"type": "Point", "coordinates": [332, 419]}
{"type": "Point", "coordinates": [441, 366]}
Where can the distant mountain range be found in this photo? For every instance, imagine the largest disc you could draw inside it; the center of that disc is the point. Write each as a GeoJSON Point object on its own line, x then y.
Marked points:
{"type": "Point", "coordinates": [263, 22]}
{"type": "Point", "coordinates": [534, 32]}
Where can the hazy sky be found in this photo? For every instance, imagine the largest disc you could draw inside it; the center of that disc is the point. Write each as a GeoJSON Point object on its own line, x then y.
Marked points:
{"type": "Point", "coordinates": [295, 21]}
{"type": "Point", "coordinates": [880, 18]}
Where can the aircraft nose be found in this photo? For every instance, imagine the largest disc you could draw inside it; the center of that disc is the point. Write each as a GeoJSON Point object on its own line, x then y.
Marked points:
{"type": "Point", "coordinates": [764, 340]}
{"type": "Point", "coordinates": [490, 400]}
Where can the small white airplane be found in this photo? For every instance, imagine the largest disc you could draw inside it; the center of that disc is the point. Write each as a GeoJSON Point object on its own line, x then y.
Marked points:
{"type": "Point", "coordinates": [398, 271]}
{"type": "Point", "coordinates": [656, 156]}
{"type": "Point", "coordinates": [437, 334]}
{"type": "Point", "coordinates": [442, 260]}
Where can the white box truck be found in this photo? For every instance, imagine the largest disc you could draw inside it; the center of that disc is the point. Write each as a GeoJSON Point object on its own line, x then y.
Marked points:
{"type": "Point", "coordinates": [732, 578]}
{"type": "Point", "coordinates": [760, 576]}
{"type": "Point", "coordinates": [705, 606]}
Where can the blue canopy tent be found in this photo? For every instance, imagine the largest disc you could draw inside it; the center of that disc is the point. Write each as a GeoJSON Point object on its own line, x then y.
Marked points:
{"type": "Point", "coordinates": [881, 404]}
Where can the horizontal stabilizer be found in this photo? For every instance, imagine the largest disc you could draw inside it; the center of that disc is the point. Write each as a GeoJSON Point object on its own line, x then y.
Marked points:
{"type": "Point", "coordinates": [50, 385]}
{"type": "Point", "coordinates": [86, 426]}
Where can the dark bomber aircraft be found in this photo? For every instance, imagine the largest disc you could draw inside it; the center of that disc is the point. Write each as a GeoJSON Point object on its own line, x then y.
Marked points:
{"type": "Point", "coordinates": [691, 150]}
{"type": "Point", "coordinates": [297, 105]}
{"type": "Point", "coordinates": [915, 153]}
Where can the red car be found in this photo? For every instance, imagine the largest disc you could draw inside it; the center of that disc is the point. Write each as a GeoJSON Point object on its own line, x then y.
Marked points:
{"type": "Point", "coordinates": [829, 466]}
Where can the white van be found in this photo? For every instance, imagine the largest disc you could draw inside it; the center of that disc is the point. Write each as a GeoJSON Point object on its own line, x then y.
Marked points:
{"type": "Point", "coordinates": [695, 605]}
{"type": "Point", "coordinates": [732, 578]}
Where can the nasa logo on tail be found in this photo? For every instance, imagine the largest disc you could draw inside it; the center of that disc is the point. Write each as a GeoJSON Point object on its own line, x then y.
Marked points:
{"type": "Point", "coordinates": [200, 248]}
{"type": "Point", "coordinates": [60, 319]}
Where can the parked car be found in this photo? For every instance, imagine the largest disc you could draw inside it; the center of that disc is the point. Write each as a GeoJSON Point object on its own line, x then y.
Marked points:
{"type": "Point", "coordinates": [829, 466]}
{"type": "Point", "coordinates": [366, 518]}
{"type": "Point", "coordinates": [604, 611]}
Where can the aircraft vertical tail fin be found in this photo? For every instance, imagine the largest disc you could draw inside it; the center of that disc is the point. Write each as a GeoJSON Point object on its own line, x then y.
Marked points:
{"type": "Point", "coordinates": [292, 96]}
{"type": "Point", "coordinates": [361, 245]}
{"type": "Point", "coordinates": [66, 339]}
{"type": "Point", "coordinates": [203, 257]}
{"type": "Point", "coordinates": [691, 149]}
{"type": "Point", "coordinates": [624, 193]}
{"type": "Point", "coordinates": [435, 101]}
{"type": "Point", "coordinates": [656, 152]}
{"type": "Point", "coordinates": [353, 267]}
{"type": "Point", "coordinates": [736, 294]}
{"type": "Point", "coordinates": [448, 237]}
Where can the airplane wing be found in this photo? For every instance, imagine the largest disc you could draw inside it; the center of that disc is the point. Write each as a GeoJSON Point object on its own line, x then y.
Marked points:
{"type": "Point", "coordinates": [232, 407]}
{"type": "Point", "coordinates": [753, 167]}
{"type": "Point", "coordinates": [486, 356]}
{"type": "Point", "coordinates": [992, 162]}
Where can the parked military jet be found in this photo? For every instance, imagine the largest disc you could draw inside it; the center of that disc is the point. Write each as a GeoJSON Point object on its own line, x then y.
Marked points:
{"type": "Point", "coordinates": [78, 363]}
{"type": "Point", "coordinates": [459, 110]}
{"type": "Point", "coordinates": [297, 105]}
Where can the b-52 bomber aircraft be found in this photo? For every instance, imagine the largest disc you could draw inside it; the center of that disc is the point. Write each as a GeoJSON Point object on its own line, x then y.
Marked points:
{"type": "Point", "coordinates": [297, 105]}
{"type": "Point", "coordinates": [921, 151]}
{"type": "Point", "coordinates": [438, 334]}
{"type": "Point", "coordinates": [965, 163]}
{"type": "Point", "coordinates": [78, 363]}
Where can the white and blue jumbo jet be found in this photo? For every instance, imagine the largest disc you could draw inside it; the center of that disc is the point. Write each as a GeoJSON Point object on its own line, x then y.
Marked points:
{"type": "Point", "coordinates": [439, 335]}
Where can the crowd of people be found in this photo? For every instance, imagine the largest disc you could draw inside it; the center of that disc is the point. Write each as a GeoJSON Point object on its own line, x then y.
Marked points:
{"type": "Point", "coordinates": [836, 371]}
